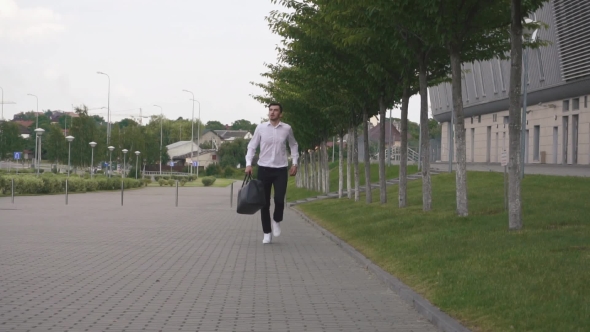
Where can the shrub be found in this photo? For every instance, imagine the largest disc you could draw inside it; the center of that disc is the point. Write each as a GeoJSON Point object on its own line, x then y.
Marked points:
{"type": "Point", "coordinates": [228, 172]}
{"type": "Point", "coordinates": [208, 180]}
{"type": "Point", "coordinates": [171, 183]}
{"type": "Point", "coordinates": [183, 182]}
{"type": "Point", "coordinates": [76, 184]}
{"type": "Point", "coordinates": [146, 181]}
{"type": "Point", "coordinates": [213, 169]}
{"type": "Point", "coordinates": [162, 182]}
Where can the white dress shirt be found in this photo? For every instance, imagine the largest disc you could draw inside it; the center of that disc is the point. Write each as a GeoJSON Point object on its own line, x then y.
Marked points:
{"type": "Point", "coordinates": [273, 150]}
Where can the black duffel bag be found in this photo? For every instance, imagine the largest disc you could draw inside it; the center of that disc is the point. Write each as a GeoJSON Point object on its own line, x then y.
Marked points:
{"type": "Point", "coordinates": [250, 196]}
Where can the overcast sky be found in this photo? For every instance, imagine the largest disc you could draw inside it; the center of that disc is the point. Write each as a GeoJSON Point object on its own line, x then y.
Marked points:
{"type": "Point", "coordinates": [151, 50]}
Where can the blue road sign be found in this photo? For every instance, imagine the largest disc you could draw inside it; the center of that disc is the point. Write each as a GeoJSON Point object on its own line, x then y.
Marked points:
{"type": "Point", "coordinates": [195, 163]}
{"type": "Point", "coordinates": [171, 163]}
{"type": "Point", "coordinates": [17, 155]}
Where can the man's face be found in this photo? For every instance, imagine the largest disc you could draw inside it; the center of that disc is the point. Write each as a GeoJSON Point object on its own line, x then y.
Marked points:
{"type": "Point", "coordinates": [274, 113]}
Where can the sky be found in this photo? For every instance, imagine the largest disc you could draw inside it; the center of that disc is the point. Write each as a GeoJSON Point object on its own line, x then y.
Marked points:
{"type": "Point", "coordinates": [151, 50]}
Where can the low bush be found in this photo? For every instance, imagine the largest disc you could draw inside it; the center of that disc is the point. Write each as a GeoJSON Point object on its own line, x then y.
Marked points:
{"type": "Point", "coordinates": [208, 180]}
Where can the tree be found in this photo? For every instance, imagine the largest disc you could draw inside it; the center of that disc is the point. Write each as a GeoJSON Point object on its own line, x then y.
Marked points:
{"type": "Point", "coordinates": [10, 140]}
{"type": "Point", "coordinates": [243, 125]}
{"type": "Point", "coordinates": [55, 144]}
{"type": "Point", "coordinates": [233, 153]}
{"type": "Point", "coordinates": [214, 125]}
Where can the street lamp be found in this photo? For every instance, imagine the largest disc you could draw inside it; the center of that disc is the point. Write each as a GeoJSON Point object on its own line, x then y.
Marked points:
{"type": "Point", "coordinates": [124, 157]}
{"type": "Point", "coordinates": [136, 162]}
{"type": "Point", "coordinates": [111, 148]}
{"type": "Point", "coordinates": [39, 132]}
{"type": "Point", "coordinates": [192, 128]}
{"type": "Point", "coordinates": [108, 108]}
{"type": "Point", "coordinates": [37, 123]}
{"type": "Point", "coordinates": [69, 139]}
{"type": "Point", "coordinates": [161, 119]}
{"type": "Point", "coordinates": [198, 134]}
{"type": "Point", "coordinates": [533, 36]}
{"type": "Point", "coordinates": [92, 145]}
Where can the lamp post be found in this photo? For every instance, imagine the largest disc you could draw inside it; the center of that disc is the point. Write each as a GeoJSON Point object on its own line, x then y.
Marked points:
{"type": "Point", "coordinates": [161, 120]}
{"type": "Point", "coordinates": [92, 145]}
{"type": "Point", "coordinates": [523, 147]}
{"type": "Point", "coordinates": [198, 134]}
{"type": "Point", "coordinates": [124, 157]}
{"type": "Point", "coordinates": [136, 162]}
{"type": "Point", "coordinates": [69, 139]}
{"type": "Point", "coordinates": [192, 128]}
{"type": "Point", "coordinates": [39, 132]}
{"type": "Point", "coordinates": [37, 121]}
{"type": "Point", "coordinates": [108, 108]}
{"type": "Point", "coordinates": [111, 148]}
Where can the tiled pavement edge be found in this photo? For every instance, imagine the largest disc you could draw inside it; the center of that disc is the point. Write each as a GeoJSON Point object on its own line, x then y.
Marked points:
{"type": "Point", "coordinates": [95, 265]}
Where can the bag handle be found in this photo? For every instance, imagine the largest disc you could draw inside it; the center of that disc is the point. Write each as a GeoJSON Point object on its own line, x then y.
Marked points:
{"type": "Point", "coordinates": [247, 178]}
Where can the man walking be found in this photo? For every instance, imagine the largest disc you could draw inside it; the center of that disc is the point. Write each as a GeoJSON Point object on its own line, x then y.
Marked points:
{"type": "Point", "coordinates": [272, 137]}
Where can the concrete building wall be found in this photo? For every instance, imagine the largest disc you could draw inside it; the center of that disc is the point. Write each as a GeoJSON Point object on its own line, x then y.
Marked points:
{"type": "Point", "coordinates": [553, 123]}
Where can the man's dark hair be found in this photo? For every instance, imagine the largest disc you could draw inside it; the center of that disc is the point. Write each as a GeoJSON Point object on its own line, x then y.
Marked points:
{"type": "Point", "coordinates": [274, 103]}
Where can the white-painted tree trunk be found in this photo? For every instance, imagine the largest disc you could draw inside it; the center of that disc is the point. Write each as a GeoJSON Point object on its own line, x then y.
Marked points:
{"type": "Point", "coordinates": [355, 156]}
{"type": "Point", "coordinates": [340, 166]}
{"type": "Point", "coordinates": [382, 179]}
{"type": "Point", "coordinates": [515, 217]}
{"type": "Point", "coordinates": [403, 164]}
{"type": "Point", "coordinates": [425, 141]}
{"type": "Point", "coordinates": [367, 157]}
{"type": "Point", "coordinates": [349, 164]}
{"type": "Point", "coordinates": [461, 169]}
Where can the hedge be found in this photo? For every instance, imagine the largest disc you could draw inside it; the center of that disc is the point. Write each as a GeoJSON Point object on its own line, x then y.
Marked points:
{"type": "Point", "coordinates": [51, 184]}
{"type": "Point", "coordinates": [208, 180]}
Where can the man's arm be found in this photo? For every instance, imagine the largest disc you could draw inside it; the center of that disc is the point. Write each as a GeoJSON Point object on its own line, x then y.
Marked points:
{"type": "Point", "coordinates": [251, 150]}
{"type": "Point", "coordinates": [294, 147]}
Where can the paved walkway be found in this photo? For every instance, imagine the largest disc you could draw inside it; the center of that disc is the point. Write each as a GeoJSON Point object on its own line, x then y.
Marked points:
{"type": "Point", "coordinates": [94, 265]}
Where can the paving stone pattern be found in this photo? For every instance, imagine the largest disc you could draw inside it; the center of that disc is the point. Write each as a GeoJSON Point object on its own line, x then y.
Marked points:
{"type": "Point", "coordinates": [95, 265]}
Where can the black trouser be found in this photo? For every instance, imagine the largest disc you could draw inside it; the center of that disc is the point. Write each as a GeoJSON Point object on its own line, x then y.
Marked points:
{"type": "Point", "coordinates": [277, 178]}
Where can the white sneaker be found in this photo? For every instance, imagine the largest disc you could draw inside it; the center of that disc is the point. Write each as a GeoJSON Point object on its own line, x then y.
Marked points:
{"type": "Point", "coordinates": [276, 228]}
{"type": "Point", "coordinates": [267, 238]}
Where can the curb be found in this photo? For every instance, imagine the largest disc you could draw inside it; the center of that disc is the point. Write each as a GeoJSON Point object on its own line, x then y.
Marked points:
{"type": "Point", "coordinates": [434, 315]}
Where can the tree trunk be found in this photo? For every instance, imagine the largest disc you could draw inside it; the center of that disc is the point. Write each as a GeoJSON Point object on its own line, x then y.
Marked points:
{"type": "Point", "coordinates": [305, 170]}
{"type": "Point", "coordinates": [312, 169]}
{"type": "Point", "coordinates": [326, 169]}
{"type": "Point", "coordinates": [425, 141]}
{"type": "Point", "coordinates": [461, 172]}
{"type": "Point", "coordinates": [382, 179]}
{"type": "Point", "coordinates": [340, 166]}
{"type": "Point", "coordinates": [349, 164]}
{"type": "Point", "coordinates": [403, 163]}
{"type": "Point", "coordinates": [355, 156]}
{"type": "Point", "coordinates": [318, 169]}
{"type": "Point", "coordinates": [514, 191]}
{"type": "Point", "coordinates": [367, 157]}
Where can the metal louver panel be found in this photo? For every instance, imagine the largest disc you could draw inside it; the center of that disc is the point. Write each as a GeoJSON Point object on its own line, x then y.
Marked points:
{"type": "Point", "coordinates": [572, 25]}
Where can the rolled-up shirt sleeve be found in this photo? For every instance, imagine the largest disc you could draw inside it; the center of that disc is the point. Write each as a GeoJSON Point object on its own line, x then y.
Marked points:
{"type": "Point", "coordinates": [294, 147]}
{"type": "Point", "coordinates": [252, 145]}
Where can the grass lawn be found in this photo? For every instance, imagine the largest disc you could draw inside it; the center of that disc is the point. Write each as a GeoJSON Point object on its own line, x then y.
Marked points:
{"type": "Point", "coordinates": [392, 172]}
{"type": "Point", "coordinates": [473, 268]}
{"type": "Point", "coordinates": [198, 183]}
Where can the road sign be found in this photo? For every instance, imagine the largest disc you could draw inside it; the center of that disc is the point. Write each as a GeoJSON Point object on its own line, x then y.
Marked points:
{"type": "Point", "coordinates": [195, 163]}
{"type": "Point", "coordinates": [504, 159]}
{"type": "Point", "coordinates": [171, 163]}
{"type": "Point", "coordinates": [17, 155]}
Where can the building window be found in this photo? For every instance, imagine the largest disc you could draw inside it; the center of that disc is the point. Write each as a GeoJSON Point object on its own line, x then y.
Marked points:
{"type": "Point", "coordinates": [493, 77]}
{"type": "Point", "coordinates": [500, 75]}
{"type": "Point", "coordinates": [474, 83]}
{"type": "Point", "coordinates": [495, 118]}
{"type": "Point", "coordinates": [585, 101]}
{"type": "Point", "coordinates": [471, 120]}
{"type": "Point", "coordinates": [507, 120]}
{"type": "Point", "coordinates": [566, 105]}
{"type": "Point", "coordinates": [483, 89]}
{"type": "Point", "coordinates": [575, 104]}
{"type": "Point", "coordinates": [541, 70]}
{"type": "Point", "coordinates": [479, 119]}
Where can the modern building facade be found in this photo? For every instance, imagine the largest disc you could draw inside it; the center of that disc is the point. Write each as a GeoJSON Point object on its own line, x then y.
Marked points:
{"type": "Point", "coordinates": [558, 89]}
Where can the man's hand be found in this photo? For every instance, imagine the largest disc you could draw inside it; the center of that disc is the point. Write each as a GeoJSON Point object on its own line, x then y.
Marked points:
{"type": "Point", "coordinates": [248, 170]}
{"type": "Point", "coordinates": [293, 170]}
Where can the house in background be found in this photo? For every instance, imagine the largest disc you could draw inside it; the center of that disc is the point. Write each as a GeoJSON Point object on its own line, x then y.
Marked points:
{"type": "Point", "coordinates": [218, 137]}
{"type": "Point", "coordinates": [182, 150]}
{"type": "Point", "coordinates": [392, 137]}
{"type": "Point", "coordinates": [205, 158]}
